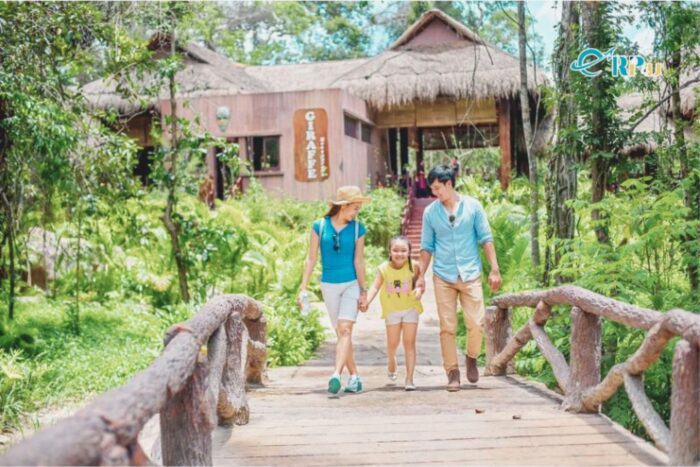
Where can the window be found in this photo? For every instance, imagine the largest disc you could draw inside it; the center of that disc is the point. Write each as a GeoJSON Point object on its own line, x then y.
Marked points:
{"type": "Point", "coordinates": [366, 133]}
{"type": "Point", "coordinates": [351, 125]}
{"type": "Point", "coordinates": [264, 151]}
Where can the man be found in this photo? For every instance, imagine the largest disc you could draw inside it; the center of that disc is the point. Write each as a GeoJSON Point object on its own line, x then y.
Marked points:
{"type": "Point", "coordinates": [453, 228]}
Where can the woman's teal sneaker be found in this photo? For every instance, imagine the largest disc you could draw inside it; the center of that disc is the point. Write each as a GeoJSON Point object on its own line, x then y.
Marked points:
{"type": "Point", "coordinates": [334, 384]}
{"type": "Point", "coordinates": [354, 384]}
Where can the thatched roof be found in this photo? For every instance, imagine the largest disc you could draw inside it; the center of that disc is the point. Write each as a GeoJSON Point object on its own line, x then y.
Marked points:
{"type": "Point", "coordinates": [633, 106]}
{"type": "Point", "coordinates": [645, 137]}
{"type": "Point", "coordinates": [689, 93]}
{"type": "Point", "coordinates": [428, 17]}
{"type": "Point", "coordinates": [203, 71]}
{"type": "Point", "coordinates": [303, 77]}
{"type": "Point", "coordinates": [466, 68]}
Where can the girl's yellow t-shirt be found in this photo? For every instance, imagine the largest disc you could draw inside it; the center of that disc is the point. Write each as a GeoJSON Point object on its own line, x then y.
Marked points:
{"type": "Point", "coordinates": [396, 293]}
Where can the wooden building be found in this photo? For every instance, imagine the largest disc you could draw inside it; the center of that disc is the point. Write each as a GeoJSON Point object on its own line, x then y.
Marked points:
{"type": "Point", "coordinates": [306, 129]}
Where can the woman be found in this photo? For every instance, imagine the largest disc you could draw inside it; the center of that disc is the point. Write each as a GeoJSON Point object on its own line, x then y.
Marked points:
{"type": "Point", "coordinates": [340, 239]}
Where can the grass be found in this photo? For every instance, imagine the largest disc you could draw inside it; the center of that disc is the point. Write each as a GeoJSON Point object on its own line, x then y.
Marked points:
{"type": "Point", "coordinates": [117, 340]}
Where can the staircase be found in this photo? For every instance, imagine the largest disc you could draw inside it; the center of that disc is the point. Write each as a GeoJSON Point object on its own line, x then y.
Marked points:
{"type": "Point", "coordinates": [414, 224]}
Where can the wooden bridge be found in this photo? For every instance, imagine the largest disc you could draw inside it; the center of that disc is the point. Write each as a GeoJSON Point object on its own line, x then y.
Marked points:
{"type": "Point", "coordinates": [292, 420]}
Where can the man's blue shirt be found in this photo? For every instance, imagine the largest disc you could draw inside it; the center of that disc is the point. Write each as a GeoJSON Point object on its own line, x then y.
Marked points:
{"type": "Point", "coordinates": [455, 246]}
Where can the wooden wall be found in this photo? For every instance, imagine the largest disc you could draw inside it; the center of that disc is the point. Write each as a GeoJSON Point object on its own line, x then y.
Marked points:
{"type": "Point", "coordinates": [443, 112]}
{"type": "Point", "coordinates": [350, 160]}
{"type": "Point", "coordinates": [371, 156]}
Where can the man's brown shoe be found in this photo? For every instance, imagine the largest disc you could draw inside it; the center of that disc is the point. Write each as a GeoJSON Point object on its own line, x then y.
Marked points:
{"type": "Point", "coordinates": [472, 370]}
{"type": "Point", "coordinates": [453, 380]}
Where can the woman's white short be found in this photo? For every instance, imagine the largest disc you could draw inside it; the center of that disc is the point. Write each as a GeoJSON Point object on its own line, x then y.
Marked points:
{"type": "Point", "coordinates": [341, 300]}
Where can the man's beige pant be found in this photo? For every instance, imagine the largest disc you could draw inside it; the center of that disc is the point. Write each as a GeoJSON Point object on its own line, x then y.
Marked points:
{"type": "Point", "coordinates": [471, 296]}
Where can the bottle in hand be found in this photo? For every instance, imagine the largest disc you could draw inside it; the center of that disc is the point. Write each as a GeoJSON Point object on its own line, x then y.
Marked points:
{"type": "Point", "coordinates": [305, 304]}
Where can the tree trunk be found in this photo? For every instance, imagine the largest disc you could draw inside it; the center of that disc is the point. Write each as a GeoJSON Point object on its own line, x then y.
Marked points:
{"type": "Point", "coordinates": [679, 141]}
{"type": "Point", "coordinates": [5, 178]}
{"type": "Point", "coordinates": [599, 180]}
{"type": "Point", "coordinates": [594, 16]}
{"type": "Point", "coordinates": [527, 130]}
{"type": "Point", "coordinates": [172, 185]}
{"type": "Point", "coordinates": [562, 164]}
{"type": "Point", "coordinates": [75, 315]}
{"type": "Point", "coordinates": [13, 272]}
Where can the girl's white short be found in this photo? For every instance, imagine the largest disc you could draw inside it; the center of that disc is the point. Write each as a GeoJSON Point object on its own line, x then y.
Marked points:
{"type": "Point", "coordinates": [406, 316]}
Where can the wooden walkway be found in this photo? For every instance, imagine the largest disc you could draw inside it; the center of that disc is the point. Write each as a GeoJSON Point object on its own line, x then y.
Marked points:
{"type": "Point", "coordinates": [500, 420]}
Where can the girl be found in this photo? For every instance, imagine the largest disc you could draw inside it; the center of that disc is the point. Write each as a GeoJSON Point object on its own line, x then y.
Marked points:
{"type": "Point", "coordinates": [401, 305]}
{"type": "Point", "coordinates": [340, 239]}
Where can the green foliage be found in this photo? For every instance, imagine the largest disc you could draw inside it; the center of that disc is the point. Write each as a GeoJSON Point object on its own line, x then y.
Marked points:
{"type": "Point", "coordinates": [382, 217]}
{"type": "Point", "coordinates": [291, 338]}
{"type": "Point", "coordinates": [284, 32]}
{"type": "Point", "coordinates": [641, 261]}
{"type": "Point", "coordinates": [16, 337]}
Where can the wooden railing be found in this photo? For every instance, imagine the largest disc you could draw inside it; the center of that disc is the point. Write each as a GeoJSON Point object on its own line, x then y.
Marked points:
{"type": "Point", "coordinates": [408, 207]}
{"type": "Point", "coordinates": [581, 380]}
{"type": "Point", "coordinates": [201, 374]}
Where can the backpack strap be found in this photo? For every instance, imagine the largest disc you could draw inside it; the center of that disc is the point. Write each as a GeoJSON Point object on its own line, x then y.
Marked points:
{"type": "Point", "coordinates": [357, 230]}
{"type": "Point", "coordinates": [321, 224]}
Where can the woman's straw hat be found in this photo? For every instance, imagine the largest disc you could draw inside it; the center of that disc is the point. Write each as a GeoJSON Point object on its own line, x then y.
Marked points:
{"type": "Point", "coordinates": [348, 195]}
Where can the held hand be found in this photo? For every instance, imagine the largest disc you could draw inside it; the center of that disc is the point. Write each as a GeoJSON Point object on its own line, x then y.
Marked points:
{"type": "Point", "coordinates": [418, 293]}
{"type": "Point", "coordinates": [362, 303]}
{"type": "Point", "coordinates": [494, 280]}
{"type": "Point", "coordinates": [420, 283]}
{"type": "Point", "coordinates": [299, 298]}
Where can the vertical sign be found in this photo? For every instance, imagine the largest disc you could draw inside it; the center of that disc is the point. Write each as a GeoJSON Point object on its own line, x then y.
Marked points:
{"type": "Point", "coordinates": [311, 145]}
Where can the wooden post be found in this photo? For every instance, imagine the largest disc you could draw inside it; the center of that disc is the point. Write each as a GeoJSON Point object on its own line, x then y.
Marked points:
{"type": "Point", "coordinates": [185, 422]}
{"type": "Point", "coordinates": [211, 164]}
{"type": "Point", "coordinates": [419, 153]}
{"type": "Point", "coordinates": [499, 330]}
{"type": "Point", "coordinates": [243, 156]}
{"type": "Point", "coordinates": [257, 351]}
{"type": "Point", "coordinates": [584, 360]}
{"type": "Point", "coordinates": [403, 135]}
{"type": "Point", "coordinates": [217, 354]}
{"type": "Point", "coordinates": [685, 405]}
{"type": "Point", "coordinates": [233, 405]}
{"type": "Point", "coordinates": [393, 152]}
{"type": "Point", "coordinates": [504, 141]}
{"type": "Point", "coordinates": [500, 362]}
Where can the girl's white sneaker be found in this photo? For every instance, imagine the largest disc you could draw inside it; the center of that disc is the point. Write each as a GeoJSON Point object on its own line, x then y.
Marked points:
{"type": "Point", "coordinates": [409, 387]}
{"type": "Point", "coordinates": [393, 376]}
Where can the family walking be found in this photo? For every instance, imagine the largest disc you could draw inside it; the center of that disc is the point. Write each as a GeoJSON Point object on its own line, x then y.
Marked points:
{"type": "Point", "coordinates": [454, 226]}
